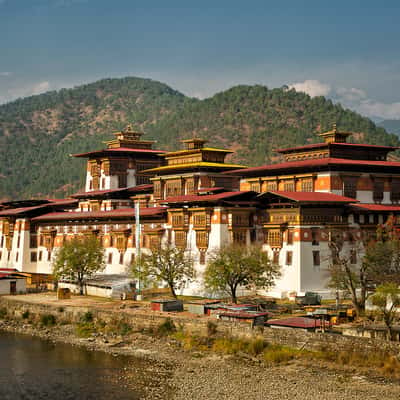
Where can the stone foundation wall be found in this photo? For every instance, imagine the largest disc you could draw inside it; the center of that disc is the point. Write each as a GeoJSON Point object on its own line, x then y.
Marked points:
{"type": "Point", "coordinates": [288, 337]}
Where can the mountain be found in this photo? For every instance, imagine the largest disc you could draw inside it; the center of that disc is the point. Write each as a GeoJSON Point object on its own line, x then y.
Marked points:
{"type": "Point", "coordinates": [38, 133]}
{"type": "Point", "coordinates": [391, 125]}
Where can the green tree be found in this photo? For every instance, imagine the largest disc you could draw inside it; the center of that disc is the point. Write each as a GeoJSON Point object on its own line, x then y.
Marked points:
{"type": "Point", "coordinates": [234, 266]}
{"type": "Point", "coordinates": [79, 259]}
{"type": "Point", "coordinates": [379, 265]}
{"type": "Point", "coordinates": [167, 264]}
{"type": "Point", "coordinates": [386, 299]}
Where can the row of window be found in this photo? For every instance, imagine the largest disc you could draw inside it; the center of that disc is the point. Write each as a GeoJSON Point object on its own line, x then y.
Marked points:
{"type": "Point", "coordinates": [316, 257]}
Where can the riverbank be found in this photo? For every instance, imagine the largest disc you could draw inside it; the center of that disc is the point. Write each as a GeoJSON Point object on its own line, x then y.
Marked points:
{"type": "Point", "coordinates": [181, 368]}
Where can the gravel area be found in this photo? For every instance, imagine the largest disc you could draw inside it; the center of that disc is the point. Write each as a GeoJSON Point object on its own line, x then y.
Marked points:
{"type": "Point", "coordinates": [213, 378]}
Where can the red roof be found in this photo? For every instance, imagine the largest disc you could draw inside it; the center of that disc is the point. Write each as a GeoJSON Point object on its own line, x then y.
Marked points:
{"type": "Point", "coordinates": [132, 189]}
{"type": "Point", "coordinates": [317, 145]}
{"type": "Point", "coordinates": [296, 322]}
{"type": "Point", "coordinates": [207, 197]}
{"type": "Point", "coordinates": [326, 162]}
{"type": "Point", "coordinates": [119, 150]}
{"type": "Point", "coordinates": [376, 207]}
{"type": "Point", "coordinates": [23, 210]}
{"type": "Point", "coordinates": [314, 197]}
{"type": "Point", "coordinates": [118, 213]}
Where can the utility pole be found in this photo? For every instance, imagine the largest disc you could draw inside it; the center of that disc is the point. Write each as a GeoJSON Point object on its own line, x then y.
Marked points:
{"type": "Point", "coordinates": [137, 240]}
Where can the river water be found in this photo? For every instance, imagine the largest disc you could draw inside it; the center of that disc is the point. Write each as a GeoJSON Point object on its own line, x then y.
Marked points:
{"type": "Point", "coordinates": [32, 368]}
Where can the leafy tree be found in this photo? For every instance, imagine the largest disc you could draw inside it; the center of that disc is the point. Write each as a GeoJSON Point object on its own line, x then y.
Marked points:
{"type": "Point", "coordinates": [165, 264]}
{"type": "Point", "coordinates": [383, 255]}
{"type": "Point", "coordinates": [379, 265]}
{"type": "Point", "coordinates": [233, 266]}
{"type": "Point", "coordinates": [79, 259]}
{"type": "Point", "coordinates": [387, 299]}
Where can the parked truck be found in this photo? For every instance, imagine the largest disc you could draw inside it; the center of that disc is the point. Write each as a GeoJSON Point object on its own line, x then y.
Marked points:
{"type": "Point", "coordinates": [309, 299]}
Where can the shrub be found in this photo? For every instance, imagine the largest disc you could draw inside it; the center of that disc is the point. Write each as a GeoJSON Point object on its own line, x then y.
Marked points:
{"type": "Point", "coordinates": [25, 314]}
{"type": "Point", "coordinates": [87, 317]}
{"type": "Point", "coordinates": [211, 328]}
{"type": "Point", "coordinates": [3, 312]}
{"type": "Point", "coordinates": [275, 354]}
{"type": "Point", "coordinates": [48, 320]}
{"type": "Point", "coordinates": [166, 328]}
{"type": "Point", "coordinates": [256, 346]}
{"type": "Point", "coordinates": [85, 329]}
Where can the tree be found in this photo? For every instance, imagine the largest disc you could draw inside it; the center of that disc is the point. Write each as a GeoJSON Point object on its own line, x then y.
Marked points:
{"type": "Point", "coordinates": [387, 299]}
{"type": "Point", "coordinates": [351, 278]}
{"type": "Point", "coordinates": [383, 255]}
{"type": "Point", "coordinates": [233, 266]}
{"type": "Point", "coordinates": [165, 264]}
{"type": "Point", "coordinates": [379, 265]}
{"type": "Point", "coordinates": [79, 259]}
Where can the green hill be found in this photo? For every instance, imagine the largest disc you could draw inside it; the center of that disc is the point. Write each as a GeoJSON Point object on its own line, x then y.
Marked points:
{"type": "Point", "coordinates": [38, 133]}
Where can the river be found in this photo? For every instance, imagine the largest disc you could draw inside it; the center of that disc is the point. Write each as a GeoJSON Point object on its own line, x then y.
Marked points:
{"type": "Point", "coordinates": [31, 368]}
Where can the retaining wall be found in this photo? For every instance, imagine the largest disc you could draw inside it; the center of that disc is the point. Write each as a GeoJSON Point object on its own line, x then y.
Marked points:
{"type": "Point", "coordinates": [289, 337]}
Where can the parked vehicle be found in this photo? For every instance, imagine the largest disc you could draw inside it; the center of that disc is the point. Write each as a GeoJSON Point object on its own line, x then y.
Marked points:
{"type": "Point", "coordinates": [309, 299]}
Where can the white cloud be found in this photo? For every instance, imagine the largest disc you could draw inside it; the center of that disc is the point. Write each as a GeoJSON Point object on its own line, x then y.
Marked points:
{"type": "Point", "coordinates": [352, 94]}
{"type": "Point", "coordinates": [5, 73]}
{"type": "Point", "coordinates": [24, 91]}
{"type": "Point", "coordinates": [382, 110]}
{"type": "Point", "coordinates": [312, 87]}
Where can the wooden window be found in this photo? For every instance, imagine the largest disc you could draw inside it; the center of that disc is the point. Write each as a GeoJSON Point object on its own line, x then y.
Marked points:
{"type": "Point", "coordinates": [316, 258]}
{"type": "Point", "coordinates": [315, 236]}
{"type": "Point", "coordinates": [289, 186]}
{"type": "Point", "coordinates": [19, 240]}
{"type": "Point", "coordinates": [33, 256]}
{"type": "Point", "coordinates": [142, 180]}
{"type": "Point", "coordinates": [33, 241]}
{"type": "Point", "coordinates": [275, 257]}
{"type": "Point", "coordinates": [290, 236]}
{"type": "Point", "coordinates": [350, 187]}
{"type": "Point", "coordinates": [122, 181]}
{"type": "Point", "coordinates": [180, 239]}
{"type": "Point", "coordinates": [378, 190]}
{"type": "Point", "coordinates": [177, 220]}
{"type": "Point", "coordinates": [121, 258]}
{"type": "Point", "coordinates": [199, 220]}
{"type": "Point", "coordinates": [307, 185]}
{"type": "Point", "coordinates": [40, 255]}
{"type": "Point", "coordinates": [274, 238]}
{"type": "Point", "coordinates": [16, 256]}
{"type": "Point", "coordinates": [157, 189]}
{"type": "Point", "coordinates": [110, 258]}
{"type": "Point", "coordinates": [272, 186]}
{"type": "Point", "coordinates": [202, 239]}
{"type": "Point", "coordinates": [49, 256]}
{"type": "Point", "coordinates": [395, 191]}
{"type": "Point", "coordinates": [190, 186]}
{"type": "Point", "coordinates": [1, 254]}
{"type": "Point", "coordinates": [239, 237]}
{"type": "Point", "coordinates": [289, 257]}
{"type": "Point", "coordinates": [103, 183]}
{"type": "Point", "coordinates": [255, 186]}
{"type": "Point", "coordinates": [2, 241]}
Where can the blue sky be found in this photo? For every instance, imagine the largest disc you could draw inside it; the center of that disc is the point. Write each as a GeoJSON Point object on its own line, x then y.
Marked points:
{"type": "Point", "coordinates": [346, 50]}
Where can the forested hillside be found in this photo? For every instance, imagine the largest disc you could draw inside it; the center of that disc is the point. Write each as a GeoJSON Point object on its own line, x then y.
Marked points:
{"type": "Point", "coordinates": [38, 133]}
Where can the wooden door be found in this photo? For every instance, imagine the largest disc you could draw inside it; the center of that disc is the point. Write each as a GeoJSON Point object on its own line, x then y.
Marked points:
{"type": "Point", "coordinates": [13, 287]}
